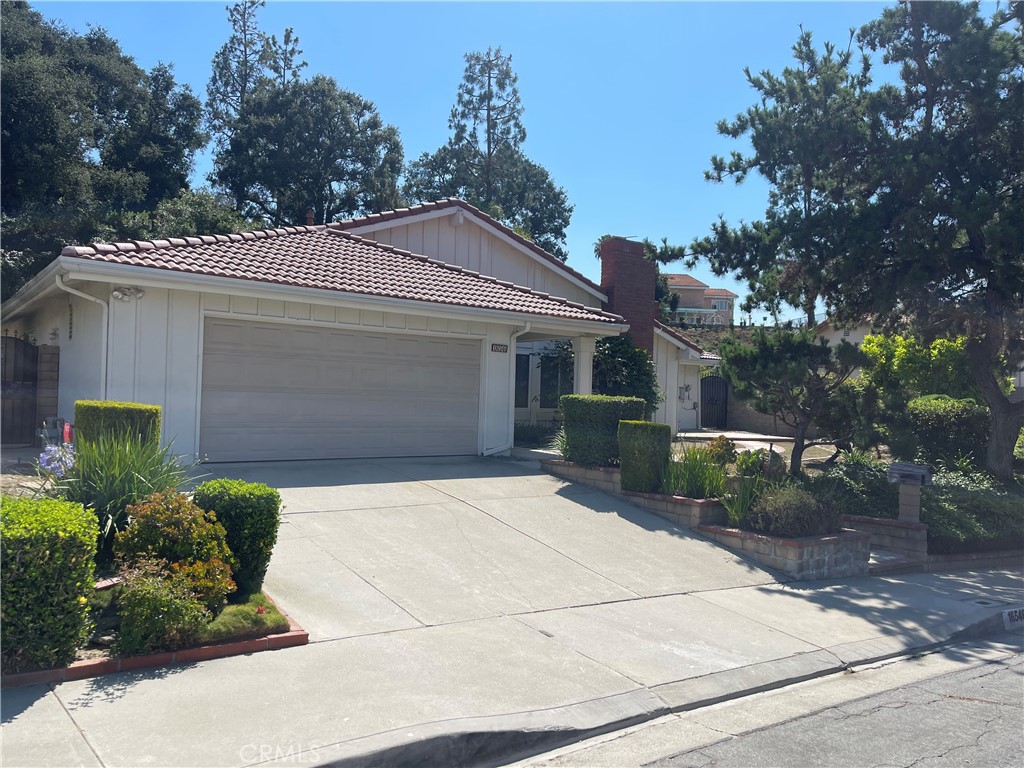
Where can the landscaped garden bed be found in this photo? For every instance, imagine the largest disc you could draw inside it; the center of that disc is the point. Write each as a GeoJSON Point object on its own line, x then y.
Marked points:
{"type": "Point", "coordinates": [109, 567]}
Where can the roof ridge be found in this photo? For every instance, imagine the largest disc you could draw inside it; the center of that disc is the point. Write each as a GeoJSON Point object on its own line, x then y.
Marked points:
{"type": "Point", "coordinates": [463, 270]}
{"type": "Point", "coordinates": [673, 332]}
{"type": "Point", "coordinates": [136, 246]}
{"type": "Point", "coordinates": [449, 202]}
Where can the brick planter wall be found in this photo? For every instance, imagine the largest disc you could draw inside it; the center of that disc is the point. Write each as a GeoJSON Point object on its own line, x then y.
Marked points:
{"type": "Point", "coordinates": [907, 539]}
{"type": "Point", "coordinates": [685, 512]}
{"type": "Point", "coordinates": [813, 557]}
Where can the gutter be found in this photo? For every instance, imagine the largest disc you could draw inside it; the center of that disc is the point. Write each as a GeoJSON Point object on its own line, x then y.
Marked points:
{"type": "Point", "coordinates": [59, 279]}
{"type": "Point", "coordinates": [512, 400]}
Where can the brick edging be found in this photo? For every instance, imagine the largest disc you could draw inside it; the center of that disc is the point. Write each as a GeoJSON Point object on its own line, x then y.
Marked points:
{"type": "Point", "coordinates": [81, 670]}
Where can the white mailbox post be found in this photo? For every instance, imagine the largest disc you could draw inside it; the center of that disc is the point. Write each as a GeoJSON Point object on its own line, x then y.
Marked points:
{"type": "Point", "coordinates": [911, 477]}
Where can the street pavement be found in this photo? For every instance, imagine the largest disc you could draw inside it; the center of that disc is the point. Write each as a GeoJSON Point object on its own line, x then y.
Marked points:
{"type": "Point", "coordinates": [961, 705]}
{"type": "Point", "coordinates": [472, 611]}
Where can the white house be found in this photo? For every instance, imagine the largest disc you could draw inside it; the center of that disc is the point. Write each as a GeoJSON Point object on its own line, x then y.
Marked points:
{"type": "Point", "coordinates": [392, 334]}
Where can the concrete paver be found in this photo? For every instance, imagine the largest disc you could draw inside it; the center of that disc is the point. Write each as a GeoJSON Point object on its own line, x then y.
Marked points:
{"type": "Point", "coordinates": [38, 732]}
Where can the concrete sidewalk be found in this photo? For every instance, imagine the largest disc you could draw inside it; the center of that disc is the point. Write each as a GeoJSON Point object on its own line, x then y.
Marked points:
{"type": "Point", "coordinates": [470, 613]}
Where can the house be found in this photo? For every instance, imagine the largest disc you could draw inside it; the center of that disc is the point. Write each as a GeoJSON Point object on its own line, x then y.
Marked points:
{"type": "Point", "coordinates": [699, 304]}
{"type": "Point", "coordinates": [399, 333]}
{"type": "Point", "coordinates": [851, 333]}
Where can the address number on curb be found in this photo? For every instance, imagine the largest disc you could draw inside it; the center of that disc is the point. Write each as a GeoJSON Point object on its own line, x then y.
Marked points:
{"type": "Point", "coordinates": [499, 348]}
{"type": "Point", "coordinates": [1013, 618]}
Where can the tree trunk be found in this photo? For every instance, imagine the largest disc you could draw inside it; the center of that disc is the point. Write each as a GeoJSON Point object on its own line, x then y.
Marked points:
{"type": "Point", "coordinates": [799, 442]}
{"type": "Point", "coordinates": [1006, 424]}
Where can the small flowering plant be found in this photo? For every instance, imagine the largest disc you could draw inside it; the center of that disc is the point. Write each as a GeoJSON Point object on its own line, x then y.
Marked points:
{"type": "Point", "coordinates": [56, 460]}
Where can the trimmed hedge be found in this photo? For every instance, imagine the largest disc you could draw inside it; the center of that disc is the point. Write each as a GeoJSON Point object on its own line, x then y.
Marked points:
{"type": "Point", "coordinates": [946, 429]}
{"type": "Point", "coordinates": [591, 424]}
{"type": "Point", "coordinates": [644, 452]}
{"type": "Point", "coordinates": [47, 548]}
{"type": "Point", "coordinates": [251, 515]}
{"type": "Point", "coordinates": [98, 417]}
{"type": "Point", "coordinates": [792, 512]}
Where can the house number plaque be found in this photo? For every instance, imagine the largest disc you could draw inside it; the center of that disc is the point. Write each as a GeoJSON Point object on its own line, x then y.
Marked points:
{"type": "Point", "coordinates": [499, 348]}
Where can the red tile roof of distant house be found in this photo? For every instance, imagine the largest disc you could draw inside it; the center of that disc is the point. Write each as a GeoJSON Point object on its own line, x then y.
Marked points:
{"type": "Point", "coordinates": [720, 293]}
{"type": "Point", "coordinates": [328, 258]}
{"type": "Point", "coordinates": [684, 281]}
{"type": "Point", "coordinates": [454, 202]}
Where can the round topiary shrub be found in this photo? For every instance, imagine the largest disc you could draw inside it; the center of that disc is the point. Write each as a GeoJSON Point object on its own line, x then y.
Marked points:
{"type": "Point", "coordinates": [251, 515]}
{"type": "Point", "coordinates": [792, 512]}
{"type": "Point", "coordinates": [47, 550]}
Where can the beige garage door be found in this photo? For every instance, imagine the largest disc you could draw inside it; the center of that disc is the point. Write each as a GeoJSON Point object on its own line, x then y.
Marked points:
{"type": "Point", "coordinates": [279, 391]}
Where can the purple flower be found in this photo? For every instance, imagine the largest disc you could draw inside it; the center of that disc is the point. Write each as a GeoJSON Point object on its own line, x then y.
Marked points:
{"type": "Point", "coordinates": [57, 459]}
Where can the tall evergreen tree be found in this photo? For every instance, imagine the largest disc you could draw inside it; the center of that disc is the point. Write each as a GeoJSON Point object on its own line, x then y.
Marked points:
{"type": "Point", "coordinates": [483, 162]}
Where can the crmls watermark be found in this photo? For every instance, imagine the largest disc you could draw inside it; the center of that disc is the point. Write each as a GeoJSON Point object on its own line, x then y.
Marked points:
{"type": "Point", "coordinates": [260, 753]}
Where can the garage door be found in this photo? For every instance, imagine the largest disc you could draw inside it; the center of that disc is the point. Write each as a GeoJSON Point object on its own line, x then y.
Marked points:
{"type": "Point", "coordinates": [279, 391]}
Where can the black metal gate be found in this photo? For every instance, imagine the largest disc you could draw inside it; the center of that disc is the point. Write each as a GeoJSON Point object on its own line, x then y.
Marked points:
{"type": "Point", "coordinates": [714, 402]}
{"type": "Point", "coordinates": [18, 416]}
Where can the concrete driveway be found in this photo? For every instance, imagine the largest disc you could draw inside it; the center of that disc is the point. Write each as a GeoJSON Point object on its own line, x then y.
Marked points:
{"type": "Point", "coordinates": [369, 546]}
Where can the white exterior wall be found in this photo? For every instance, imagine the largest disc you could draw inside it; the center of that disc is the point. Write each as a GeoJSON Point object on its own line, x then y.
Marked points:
{"type": "Point", "coordinates": [469, 245]}
{"type": "Point", "coordinates": [79, 331]}
{"type": "Point", "coordinates": [676, 371]}
{"type": "Point", "coordinates": [155, 351]}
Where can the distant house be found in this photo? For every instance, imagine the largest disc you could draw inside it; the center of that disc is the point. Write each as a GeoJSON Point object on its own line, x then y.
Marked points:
{"type": "Point", "coordinates": [700, 304]}
{"type": "Point", "coordinates": [853, 334]}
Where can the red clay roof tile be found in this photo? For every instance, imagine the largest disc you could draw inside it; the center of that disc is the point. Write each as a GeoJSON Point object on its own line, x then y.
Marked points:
{"type": "Point", "coordinates": [684, 281]}
{"type": "Point", "coordinates": [330, 258]}
{"type": "Point", "coordinates": [454, 202]}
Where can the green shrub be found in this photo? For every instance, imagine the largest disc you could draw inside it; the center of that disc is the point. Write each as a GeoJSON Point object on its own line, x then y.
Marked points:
{"type": "Point", "coordinates": [1018, 449]}
{"type": "Point", "coordinates": [46, 569]}
{"type": "Point", "coordinates": [722, 450]}
{"type": "Point", "coordinates": [948, 430]}
{"type": "Point", "coordinates": [790, 511]}
{"type": "Point", "coordinates": [695, 475]}
{"type": "Point", "coordinates": [739, 501]}
{"type": "Point", "coordinates": [965, 515]}
{"type": "Point", "coordinates": [251, 515]}
{"type": "Point", "coordinates": [113, 471]}
{"type": "Point", "coordinates": [157, 613]}
{"type": "Point", "coordinates": [110, 417]}
{"type": "Point", "coordinates": [533, 434]}
{"type": "Point", "coordinates": [760, 463]}
{"type": "Point", "coordinates": [168, 527]}
{"type": "Point", "coordinates": [644, 453]}
{"type": "Point", "coordinates": [591, 424]}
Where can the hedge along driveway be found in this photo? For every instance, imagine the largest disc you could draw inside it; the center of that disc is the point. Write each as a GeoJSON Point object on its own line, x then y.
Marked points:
{"type": "Point", "coordinates": [370, 546]}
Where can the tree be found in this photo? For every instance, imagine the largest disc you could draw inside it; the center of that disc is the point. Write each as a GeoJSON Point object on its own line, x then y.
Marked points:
{"type": "Point", "coordinates": [789, 375]}
{"type": "Point", "coordinates": [309, 146]}
{"type": "Point", "coordinates": [916, 194]}
{"type": "Point", "coordinates": [88, 138]}
{"type": "Point", "coordinates": [189, 214]}
{"type": "Point", "coordinates": [483, 162]}
{"type": "Point", "coordinates": [808, 132]}
{"type": "Point", "coordinates": [238, 67]}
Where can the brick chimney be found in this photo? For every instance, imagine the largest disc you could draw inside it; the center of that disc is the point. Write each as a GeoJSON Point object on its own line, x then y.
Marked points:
{"type": "Point", "coordinates": [630, 280]}
{"type": "Point", "coordinates": [309, 218]}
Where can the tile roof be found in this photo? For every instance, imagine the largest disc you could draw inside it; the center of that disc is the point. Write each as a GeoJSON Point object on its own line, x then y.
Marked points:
{"type": "Point", "coordinates": [454, 202]}
{"type": "Point", "coordinates": [684, 281]}
{"type": "Point", "coordinates": [720, 293]}
{"type": "Point", "coordinates": [668, 329]}
{"type": "Point", "coordinates": [329, 258]}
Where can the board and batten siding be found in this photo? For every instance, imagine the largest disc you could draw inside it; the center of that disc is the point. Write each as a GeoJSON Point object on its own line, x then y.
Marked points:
{"type": "Point", "coordinates": [469, 245]}
{"type": "Point", "coordinates": [156, 344]}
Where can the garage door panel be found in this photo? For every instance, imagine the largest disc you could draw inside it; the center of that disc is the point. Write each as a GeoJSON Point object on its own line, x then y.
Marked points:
{"type": "Point", "coordinates": [281, 391]}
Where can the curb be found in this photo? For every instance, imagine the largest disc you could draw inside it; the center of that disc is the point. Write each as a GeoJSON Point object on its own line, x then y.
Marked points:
{"type": "Point", "coordinates": [502, 739]}
{"type": "Point", "coordinates": [81, 670]}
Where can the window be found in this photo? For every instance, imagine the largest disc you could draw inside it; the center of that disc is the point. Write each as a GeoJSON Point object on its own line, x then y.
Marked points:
{"type": "Point", "coordinates": [553, 383]}
{"type": "Point", "coordinates": [720, 305]}
{"type": "Point", "coordinates": [522, 381]}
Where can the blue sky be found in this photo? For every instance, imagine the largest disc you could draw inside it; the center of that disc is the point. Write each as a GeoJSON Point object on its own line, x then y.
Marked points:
{"type": "Point", "coordinates": [621, 99]}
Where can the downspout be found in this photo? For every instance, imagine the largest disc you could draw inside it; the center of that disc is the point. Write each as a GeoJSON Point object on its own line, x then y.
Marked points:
{"type": "Point", "coordinates": [103, 347]}
{"type": "Point", "coordinates": [512, 400]}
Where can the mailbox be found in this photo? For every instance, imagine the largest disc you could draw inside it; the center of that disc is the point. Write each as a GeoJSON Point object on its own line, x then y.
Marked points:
{"type": "Point", "coordinates": [905, 473]}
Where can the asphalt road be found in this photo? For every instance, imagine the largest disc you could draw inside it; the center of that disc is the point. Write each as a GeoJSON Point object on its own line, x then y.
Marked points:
{"type": "Point", "coordinates": [969, 718]}
{"type": "Point", "coordinates": [961, 705]}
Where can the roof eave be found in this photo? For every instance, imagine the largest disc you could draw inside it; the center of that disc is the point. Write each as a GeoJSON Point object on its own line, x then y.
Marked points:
{"type": "Point", "coordinates": [83, 269]}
